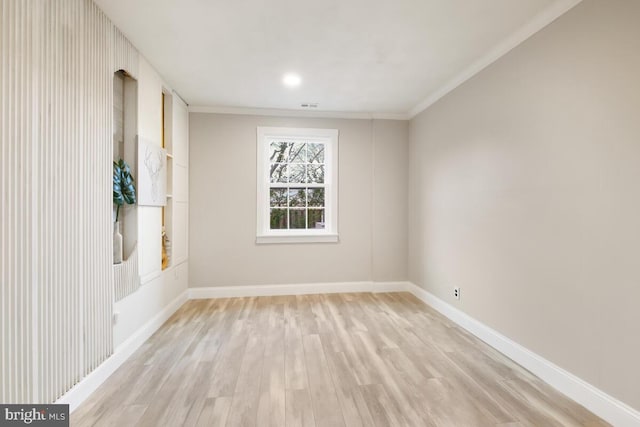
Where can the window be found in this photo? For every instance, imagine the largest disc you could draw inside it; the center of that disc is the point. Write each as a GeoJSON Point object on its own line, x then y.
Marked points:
{"type": "Point", "coordinates": [297, 185]}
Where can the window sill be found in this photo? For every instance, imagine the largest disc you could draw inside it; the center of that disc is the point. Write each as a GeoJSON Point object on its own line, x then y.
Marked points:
{"type": "Point", "coordinates": [299, 238]}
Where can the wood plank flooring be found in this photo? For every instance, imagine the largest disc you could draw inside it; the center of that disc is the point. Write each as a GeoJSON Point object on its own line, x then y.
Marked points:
{"type": "Point", "coordinates": [322, 360]}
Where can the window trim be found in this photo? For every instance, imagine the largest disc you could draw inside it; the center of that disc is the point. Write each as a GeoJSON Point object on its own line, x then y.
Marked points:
{"type": "Point", "coordinates": [264, 234]}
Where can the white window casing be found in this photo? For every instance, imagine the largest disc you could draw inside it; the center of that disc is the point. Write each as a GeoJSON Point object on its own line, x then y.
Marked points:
{"type": "Point", "coordinates": [279, 135]}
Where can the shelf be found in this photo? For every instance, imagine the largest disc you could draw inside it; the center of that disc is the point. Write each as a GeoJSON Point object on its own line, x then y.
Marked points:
{"type": "Point", "coordinates": [167, 210]}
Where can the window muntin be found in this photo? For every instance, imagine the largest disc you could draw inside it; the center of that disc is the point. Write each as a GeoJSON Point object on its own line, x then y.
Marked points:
{"type": "Point", "coordinates": [297, 185]}
{"type": "Point", "coordinates": [297, 176]}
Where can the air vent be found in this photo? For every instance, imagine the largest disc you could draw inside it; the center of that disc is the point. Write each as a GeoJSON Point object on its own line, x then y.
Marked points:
{"type": "Point", "coordinates": [309, 105]}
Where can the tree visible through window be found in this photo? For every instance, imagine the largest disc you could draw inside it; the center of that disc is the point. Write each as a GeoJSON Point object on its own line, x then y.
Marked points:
{"type": "Point", "coordinates": [296, 185]}
{"type": "Point", "coordinates": [297, 176]}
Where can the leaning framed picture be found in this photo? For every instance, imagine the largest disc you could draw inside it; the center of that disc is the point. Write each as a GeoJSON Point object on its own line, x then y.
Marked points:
{"type": "Point", "coordinates": [152, 174]}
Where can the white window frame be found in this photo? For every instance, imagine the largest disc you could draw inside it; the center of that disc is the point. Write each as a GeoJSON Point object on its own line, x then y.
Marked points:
{"type": "Point", "coordinates": [264, 232]}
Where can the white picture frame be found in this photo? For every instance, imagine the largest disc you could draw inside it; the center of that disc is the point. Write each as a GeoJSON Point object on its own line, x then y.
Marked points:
{"type": "Point", "coordinates": [152, 174]}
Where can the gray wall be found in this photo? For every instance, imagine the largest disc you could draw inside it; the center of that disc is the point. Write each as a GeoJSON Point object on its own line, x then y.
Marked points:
{"type": "Point", "coordinates": [525, 192]}
{"type": "Point", "coordinates": [372, 205]}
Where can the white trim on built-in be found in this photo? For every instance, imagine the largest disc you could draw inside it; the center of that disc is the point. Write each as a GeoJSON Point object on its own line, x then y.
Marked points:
{"type": "Point", "coordinates": [179, 261]}
{"type": "Point", "coordinates": [265, 136]}
{"type": "Point", "coordinates": [150, 276]}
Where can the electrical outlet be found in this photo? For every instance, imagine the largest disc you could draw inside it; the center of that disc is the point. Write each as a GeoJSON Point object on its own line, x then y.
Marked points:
{"type": "Point", "coordinates": [115, 317]}
{"type": "Point", "coordinates": [456, 293]}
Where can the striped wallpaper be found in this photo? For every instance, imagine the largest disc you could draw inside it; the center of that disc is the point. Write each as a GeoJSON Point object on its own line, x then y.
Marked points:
{"type": "Point", "coordinates": [57, 59]}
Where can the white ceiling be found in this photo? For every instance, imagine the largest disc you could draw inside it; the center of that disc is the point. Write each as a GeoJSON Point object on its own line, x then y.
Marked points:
{"type": "Point", "coordinates": [373, 56]}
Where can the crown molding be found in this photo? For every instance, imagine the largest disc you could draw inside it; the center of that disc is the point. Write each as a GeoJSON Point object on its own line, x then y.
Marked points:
{"type": "Point", "coordinates": [540, 21]}
{"type": "Point", "coordinates": [296, 113]}
{"type": "Point", "coordinates": [536, 24]}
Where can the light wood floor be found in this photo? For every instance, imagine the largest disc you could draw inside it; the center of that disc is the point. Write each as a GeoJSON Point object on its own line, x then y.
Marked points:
{"type": "Point", "coordinates": [322, 360]}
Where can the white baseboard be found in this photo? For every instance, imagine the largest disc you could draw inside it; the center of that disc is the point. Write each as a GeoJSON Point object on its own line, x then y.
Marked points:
{"type": "Point", "coordinates": [592, 398]}
{"type": "Point", "coordinates": [295, 289]}
{"type": "Point", "coordinates": [81, 391]}
{"type": "Point", "coordinates": [595, 400]}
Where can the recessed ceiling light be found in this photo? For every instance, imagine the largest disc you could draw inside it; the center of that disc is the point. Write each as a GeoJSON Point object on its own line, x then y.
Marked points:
{"type": "Point", "coordinates": [291, 80]}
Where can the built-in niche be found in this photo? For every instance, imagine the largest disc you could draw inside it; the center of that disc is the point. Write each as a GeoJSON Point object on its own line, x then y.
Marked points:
{"type": "Point", "coordinates": [167, 210]}
{"type": "Point", "coordinates": [125, 129]}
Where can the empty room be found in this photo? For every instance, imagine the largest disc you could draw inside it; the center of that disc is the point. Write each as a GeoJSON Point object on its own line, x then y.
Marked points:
{"type": "Point", "coordinates": [320, 213]}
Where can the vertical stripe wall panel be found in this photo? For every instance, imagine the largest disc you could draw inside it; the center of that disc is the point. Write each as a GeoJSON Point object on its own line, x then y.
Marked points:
{"type": "Point", "coordinates": [125, 56]}
{"type": "Point", "coordinates": [57, 59]}
{"type": "Point", "coordinates": [97, 157]}
{"type": "Point", "coordinates": [16, 208]}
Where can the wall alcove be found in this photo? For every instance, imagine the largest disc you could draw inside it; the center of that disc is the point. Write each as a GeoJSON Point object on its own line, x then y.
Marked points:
{"type": "Point", "coordinates": [126, 276]}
